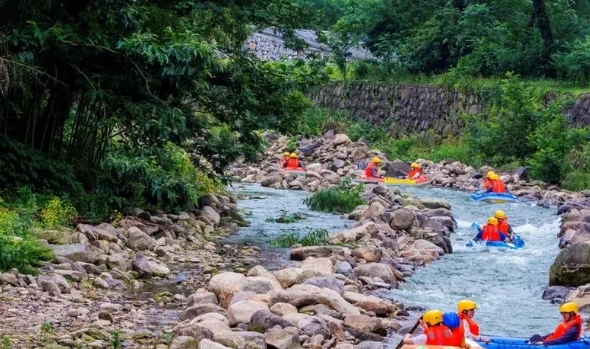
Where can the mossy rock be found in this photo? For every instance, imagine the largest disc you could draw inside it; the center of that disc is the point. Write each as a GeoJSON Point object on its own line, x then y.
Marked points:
{"type": "Point", "coordinates": [571, 267]}
{"type": "Point", "coordinates": [56, 237]}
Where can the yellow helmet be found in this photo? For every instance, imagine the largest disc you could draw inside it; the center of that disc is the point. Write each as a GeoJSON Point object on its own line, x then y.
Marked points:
{"type": "Point", "coordinates": [465, 305]}
{"type": "Point", "coordinates": [494, 177]}
{"type": "Point", "coordinates": [490, 174]}
{"type": "Point", "coordinates": [376, 160]}
{"type": "Point", "coordinates": [493, 221]}
{"type": "Point", "coordinates": [433, 317]}
{"type": "Point", "coordinates": [569, 307]}
{"type": "Point", "coordinates": [500, 214]}
{"type": "Point", "coordinates": [415, 165]}
{"type": "Point", "coordinates": [286, 153]}
{"type": "Point", "coordinates": [293, 155]}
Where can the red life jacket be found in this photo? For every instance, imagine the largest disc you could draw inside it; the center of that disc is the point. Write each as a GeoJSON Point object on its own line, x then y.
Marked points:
{"type": "Point", "coordinates": [369, 168]}
{"type": "Point", "coordinates": [293, 163]}
{"type": "Point", "coordinates": [487, 183]}
{"type": "Point", "coordinates": [562, 328]}
{"type": "Point", "coordinates": [490, 233]}
{"type": "Point", "coordinates": [284, 161]}
{"type": "Point", "coordinates": [413, 172]}
{"type": "Point", "coordinates": [438, 335]}
{"type": "Point", "coordinates": [458, 336]}
{"type": "Point", "coordinates": [473, 326]}
{"type": "Point", "coordinates": [498, 186]}
{"type": "Point", "coordinates": [503, 226]}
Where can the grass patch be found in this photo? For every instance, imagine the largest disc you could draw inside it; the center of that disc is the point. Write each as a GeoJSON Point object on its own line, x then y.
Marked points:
{"type": "Point", "coordinates": [285, 218]}
{"type": "Point", "coordinates": [315, 237]}
{"type": "Point", "coordinates": [341, 199]}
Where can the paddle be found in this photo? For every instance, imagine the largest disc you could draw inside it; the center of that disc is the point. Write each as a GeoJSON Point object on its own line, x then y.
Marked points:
{"type": "Point", "coordinates": [409, 332]}
{"type": "Point", "coordinates": [474, 226]}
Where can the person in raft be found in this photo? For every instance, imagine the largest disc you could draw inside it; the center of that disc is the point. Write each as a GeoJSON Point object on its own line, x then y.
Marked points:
{"type": "Point", "coordinates": [372, 170]}
{"type": "Point", "coordinates": [490, 232]}
{"type": "Point", "coordinates": [293, 161]}
{"type": "Point", "coordinates": [487, 181]}
{"type": "Point", "coordinates": [415, 172]}
{"type": "Point", "coordinates": [453, 322]}
{"type": "Point", "coordinates": [498, 185]}
{"type": "Point", "coordinates": [569, 330]}
{"type": "Point", "coordinates": [466, 309]}
{"type": "Point", "coordinates": [435, 332]}
{"type": "Point", "coordinates": [503, 226]}
{"type": "Point", "coordinates": [285, 160]}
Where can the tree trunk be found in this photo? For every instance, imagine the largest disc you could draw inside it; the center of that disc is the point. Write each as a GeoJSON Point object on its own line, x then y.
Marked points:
{"type": "Point", "coordinates": [542, 19]}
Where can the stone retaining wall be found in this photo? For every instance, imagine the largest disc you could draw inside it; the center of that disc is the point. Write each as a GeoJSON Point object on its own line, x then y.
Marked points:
{"type": "Point", "coordinates": [413, 109]}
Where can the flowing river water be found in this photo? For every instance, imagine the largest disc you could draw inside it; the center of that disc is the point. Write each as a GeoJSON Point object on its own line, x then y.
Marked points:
{"type": "Point", "coordinates": [507, 285]}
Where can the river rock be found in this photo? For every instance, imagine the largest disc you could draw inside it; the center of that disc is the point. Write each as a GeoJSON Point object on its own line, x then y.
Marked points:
{"type": "Point", "coordinates": [375, 210]}
{"type": "Point", "coordinates": [313, 325]}
{"type": "Point", "coordinates": [365, 323]}
{"type": "Point", "coordinates": [287, 277]}
{"type": "Point", "coordinates": [225, 285]}
{"type": "Point", "coordinates": [241, 312]}
{"type": "Point", "coordinates": [208, 344]}
{"type": "Point", "coordinates": [271, 179]}
{"type": "Point", "coordinates": [201, 298]}
{"type": "Point", "coordinates": [210, 213]}
{"type": "Point", "coordinates": [137, 240]}
{"type": "Point", "coordinates": [301, 253]}
{"type": "Point", "coordinates": [369, 345]}
{"type": "Point", "coordinates": [396, 168]}
{"type": "Point", "coordinates": [183, 342]}
{"type": "Point", "coordinates": [282, 339]}
{"type": "Point", "coordinates": [350, 235]}
{"type": "Point", "coordinates": [402, 219]}
{"type": "Point", "coordinates": [571, 267]}
{"type": "Point", "coordinates": [556, 294]}
{"type": "Point", "coordinates": [382, 271]}
{"type": "Point", "coordinates": [326, 282]}
{"type": "Point", "coordinates": [82, 252]}
{"type": "Point", "coordinates": [341, 139]}
{"type": "Point", "coordinates": [435, 203]}
{"type": "Point", "coordinates": [265, 320]}
{"type": "Point", "coordinates": [282, 309]}
{"type": "Point", "coordinates": [319, 265]}
{"type": "Point", "coordinates": [344, 268]}
{"type": "Point", "coordinates": [370, 255]}
{"type": "Point", "coordinates": [302, 295]}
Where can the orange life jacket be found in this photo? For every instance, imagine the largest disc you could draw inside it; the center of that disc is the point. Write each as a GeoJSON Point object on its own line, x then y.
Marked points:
{"type": "Point", "coordinates": [438, 335]}
{"type": "Point", "coordinates": [498, 186]}
{"type": "Point", "coordinates": [503, 226]}
{"type": "Point", "coordinates": [487, 183]}
{"type": "Point", "coordinates": [413, 172]}
{"type": "Point", "coordinates": [284, 161]}
{"type": "Point", "coordinates": [369, 168]}
{"type": "Point", "coordinates": [562, 328]}
{"type": "Point", "coordinates": [293, 163]}
{"type": "Point", "coordinates": [490, 233]}
{"type": "Point", "coordinates": [458, 336]}
{"type": "Point", "coordinates": [473, 326]}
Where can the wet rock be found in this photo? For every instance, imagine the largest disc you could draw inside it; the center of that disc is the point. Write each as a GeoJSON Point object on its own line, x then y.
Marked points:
{"type": "Point", "coordinates": [270, 180]}
{"type": "Point", "coordinates": [263, 319]}
{"type": "Point", "coordinates": [571, 267]}
{"type": "Point", "coordinates": [435, 203]}
{"type": "Point", "coordinates": [522, 174]}
{"type": "Point", "coordinates": [555, 294]}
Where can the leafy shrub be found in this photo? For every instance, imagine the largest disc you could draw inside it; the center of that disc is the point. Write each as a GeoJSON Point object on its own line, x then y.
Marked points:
{"type": "Point", "coordinates": [456, 150]}
{"type": "Point", "coordinates": [574, 63]}
{"type": "Point", "coordinates": [576, 180]}
{"type": "Point", "coordinates": [25, 254]}
{"type": "Point", "coordinates": [57, 213]}
{"type": "Point", "coordinates": [339, 199]}
{"type": "Point", "coordinates": [284, 218]}
{"type": "Point", "coordinates": [164, 180]}
{"type": "Point", "coordinates": [315, 237]}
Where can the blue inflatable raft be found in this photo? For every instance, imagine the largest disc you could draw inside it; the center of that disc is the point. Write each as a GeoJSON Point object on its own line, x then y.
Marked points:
{"type": "Point", "coordinates": [496, 198]}
{"type": "Point", "coordinates": [522, 343]}
{"type": "Point", "coordinates": [514, 245]}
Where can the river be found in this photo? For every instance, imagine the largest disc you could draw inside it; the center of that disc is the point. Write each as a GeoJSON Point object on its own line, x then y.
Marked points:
{"type": "Point", "coordinates": [507, 285]}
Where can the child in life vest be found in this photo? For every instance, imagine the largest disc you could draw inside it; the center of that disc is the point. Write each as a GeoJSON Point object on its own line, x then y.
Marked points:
{"type": "Point", "coordinates": [435, 332]}
{"type": "Point", "coordinates": [569, 330]}
{"type": "Point", "coordinates": [466, 310]}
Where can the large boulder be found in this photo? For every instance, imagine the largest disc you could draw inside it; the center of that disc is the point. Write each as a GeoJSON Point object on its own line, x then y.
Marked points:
{"type": "Point", "coordinates": [302, 295]}
{"type": "Point", "coordinates": [571, 267]}
{"type": "Point", "coordinates": [402, 219]}
{"type": "Point", "coordinates": [86, 253]}
{"type": "Point", "coordinates": [241, 312]}
{"type": "Point", "coordinates": [301, 253]}
{"type": "Point", "coordinates": [265, 320]}
{"type": "Point", "coordinates": [396, 168]}
{"type": "Point", "coordinates": [380, 270]}
{"type": "Point", "coordinates": [225, 285]}
{"type": "Point", "coordinates": [137, 240]}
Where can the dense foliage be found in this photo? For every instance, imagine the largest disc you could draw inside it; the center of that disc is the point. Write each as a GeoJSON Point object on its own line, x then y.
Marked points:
{"type": "Point", "coordinates": [341, 199]}
{"type": "Point", "coordinates": [537, 38]}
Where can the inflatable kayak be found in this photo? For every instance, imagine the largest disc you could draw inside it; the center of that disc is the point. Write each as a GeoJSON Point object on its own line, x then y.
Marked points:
{"type": "Point", "coordinates": [393, 181]}
{"type": "Point", "coordinates": [522, 343]}
{"type": "Point", "coordinates": [514, 245]}
{"type": "Point", "coordinates": [496, 198]}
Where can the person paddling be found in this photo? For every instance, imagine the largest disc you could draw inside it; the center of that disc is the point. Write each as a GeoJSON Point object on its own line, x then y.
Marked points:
{"type": "Point", "coordinates": [503, 226]}
{"type": "Point", "coordinates": [293, 161]}
{"type": "Point", "coordinates": [490, 232]}
{"type": "Point", "coordinates": [498, 185]}
{"type": "Point", "coordinates": [415, 172]}
{"type": "Point", "coordinates": [372, 170]}
{"type": "Point", "coordinates": [435, 332]}
{"type": "Point", "coordinates": [285, 160]}
{"type": "Point", "coordinates": [569, 330]}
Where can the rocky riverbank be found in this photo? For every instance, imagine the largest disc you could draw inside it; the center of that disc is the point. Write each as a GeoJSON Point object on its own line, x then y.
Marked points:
{"type": "Point", "coordinates": [334, 156]}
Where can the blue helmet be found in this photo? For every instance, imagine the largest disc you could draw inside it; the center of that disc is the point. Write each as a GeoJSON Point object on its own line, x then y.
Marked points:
{"type": "Point", "coordinates": [451, 319]}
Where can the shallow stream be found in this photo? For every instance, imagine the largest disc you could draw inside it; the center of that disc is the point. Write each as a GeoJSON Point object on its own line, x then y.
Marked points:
{"type": "Point", "coordinates": [507, 285]}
